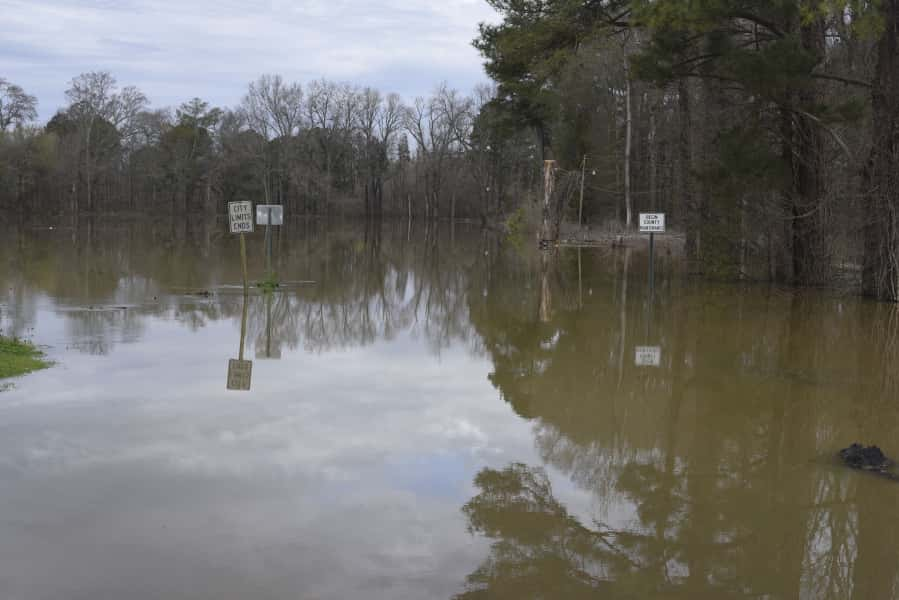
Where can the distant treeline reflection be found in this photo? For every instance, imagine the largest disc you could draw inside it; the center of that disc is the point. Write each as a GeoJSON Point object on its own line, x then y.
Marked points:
{"type": "Point", "coordinates": [718, 456]}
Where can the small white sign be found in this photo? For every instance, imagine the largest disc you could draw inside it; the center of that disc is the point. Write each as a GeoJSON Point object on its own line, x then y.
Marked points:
{"type": "Point", "coordinates": [269, 214]}
{"type": "Point", "coordinates": [648, 356]}
{"type": "Point", "coordinates": [240, 217]}
{"type": "Point", "coordinates": [652, 222]}
{"type": "Point", "coordinates": [240, 373]}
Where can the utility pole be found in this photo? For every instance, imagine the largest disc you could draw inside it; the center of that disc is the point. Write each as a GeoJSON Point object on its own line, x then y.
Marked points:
{"type": "Point", "coordinates": [580, 212]}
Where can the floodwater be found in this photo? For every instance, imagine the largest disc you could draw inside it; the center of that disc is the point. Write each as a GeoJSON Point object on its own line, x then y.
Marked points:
{"type": "Point", "coordinates": [433, 413]}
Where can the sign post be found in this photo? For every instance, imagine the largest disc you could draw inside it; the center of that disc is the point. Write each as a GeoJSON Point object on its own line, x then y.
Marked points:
{"type": "Point", "coordinates": [268, 215]}
{"type": "Point", "coordinates": [240, 371]}
{"type": "Point", "coordinates": [652, 223]}
{"type": "Point", "coordinates": [240, 219]}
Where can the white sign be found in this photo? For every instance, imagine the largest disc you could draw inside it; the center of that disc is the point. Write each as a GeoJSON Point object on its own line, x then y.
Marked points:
{"type": "Point", "coordinates": [269, 214]}
{"type": "Point", "coordinates": [652, 222]}
{"type": "Point", "coordinates": [240, 216]}
{"type": "Point", "coordinates": [648, 356]}
{"type": "Point", "coordinates": [240, 372]}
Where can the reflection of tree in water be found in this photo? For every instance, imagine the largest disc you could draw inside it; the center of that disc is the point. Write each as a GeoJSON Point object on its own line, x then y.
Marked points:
{"type": "Point", "coordinates": [371, 282]}
{"type": "Point", "coordinates": [539, 549]}
{"type": "Point", "coordinates": [94, 329]}
{"type": "Point", "coordinates": [366, 290]}
{"type": "Point", "coordinates": [714, 455]}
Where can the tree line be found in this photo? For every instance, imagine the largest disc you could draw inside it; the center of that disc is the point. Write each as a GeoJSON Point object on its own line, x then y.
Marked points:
{"type": "Point", "coordinates": [319, 149]}
{"type": "Point", "coordinates": [765, 130]}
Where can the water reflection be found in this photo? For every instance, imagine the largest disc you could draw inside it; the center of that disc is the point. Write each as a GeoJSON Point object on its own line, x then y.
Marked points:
{"type": "Point", "coordinates": [712, 474]}
{"type": "Point", "coordinates": [240, 371]}
{"type": "Point", "coordinates": [542, 551]}
{"type": "Point", "coordinates": [359, 286]}
{"type": "Point", "coordinates": [674, 442]}
{"type": "Point", "coordinates": [266, 347]}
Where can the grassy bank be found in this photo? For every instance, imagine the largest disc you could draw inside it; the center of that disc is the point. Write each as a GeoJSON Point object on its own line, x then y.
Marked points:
{"type": "Point", "coordinates": [18, 357]}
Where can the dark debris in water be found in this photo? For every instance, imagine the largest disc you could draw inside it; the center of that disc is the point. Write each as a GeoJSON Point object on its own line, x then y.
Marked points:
{"type": "Point", "coordinates": [866, 458]}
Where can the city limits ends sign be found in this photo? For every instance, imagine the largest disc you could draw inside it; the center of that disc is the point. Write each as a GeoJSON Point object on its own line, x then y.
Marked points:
{"type": "Point", "coordinates": [240, 217]}
{"type": "Point", "coordinates": [652, 222]}
{"type": "Point", "coordinates": [240, 373]}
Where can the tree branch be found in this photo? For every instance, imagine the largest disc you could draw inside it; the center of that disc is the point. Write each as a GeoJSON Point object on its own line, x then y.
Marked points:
{"type": "Point", "coordinates": [769, 25]}
{"type": "Point", "coordinates": [846, 80]}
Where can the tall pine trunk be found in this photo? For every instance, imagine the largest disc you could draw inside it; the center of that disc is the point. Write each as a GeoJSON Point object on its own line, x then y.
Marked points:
{"type": "Point", "coordinates": [810, 259]}
{"type": "Point", "coordinates": [686, 189]}
{"type": "Point", "coordinates": [628, 143]}
{"type": "Point", "coordinates": [880, 273]}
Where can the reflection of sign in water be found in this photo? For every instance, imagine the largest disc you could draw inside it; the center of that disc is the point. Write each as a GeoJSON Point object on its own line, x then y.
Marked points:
{"type": "Point", "coordinates": [648, 356]}
{"type": "Point", "coordinates": [268, 352]}
{"type": "Point", "coordinates": [240, 373]}
{"type": "Point", "coordinates": [240, 217]}
{"type": "Point", "coordinates": [269, 214]}
{"type": "Point", "coordinates": [652, 222]}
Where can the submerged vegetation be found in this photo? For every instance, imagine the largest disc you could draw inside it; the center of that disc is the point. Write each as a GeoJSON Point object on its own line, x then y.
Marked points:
{"type": "Point", "coordinates": [269, 284]}
{"type": "Point", "coordinates": [19, 357]}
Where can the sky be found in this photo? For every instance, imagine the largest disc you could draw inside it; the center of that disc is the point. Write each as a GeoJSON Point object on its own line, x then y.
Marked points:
{"type": "Point", "coordinates": [176, 50]}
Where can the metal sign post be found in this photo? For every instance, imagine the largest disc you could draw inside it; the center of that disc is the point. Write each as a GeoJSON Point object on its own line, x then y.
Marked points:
{"type": "Point", "coordinates": [240, 220]}
{"type": "Point", "coordinates": [269, 215]}
{"type": "Point", "coordinates": [652, 223]}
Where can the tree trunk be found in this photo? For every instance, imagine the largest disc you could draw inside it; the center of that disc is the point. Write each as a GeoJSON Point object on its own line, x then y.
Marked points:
{"type": "Point", "coordinates": [880, 273]}
{"type": "Point", "coordinates": [653, 162]}
{"type": "Point", "coordinates": [692, 220]}
{"type": "Point", "coordinates": [810, 260]}
{"type": "Point", "coordinates": [549, 185]}
{"type": "Point", "coordinates": [547, 264]}
{"type": "Point", "coordinates": [628, 144]}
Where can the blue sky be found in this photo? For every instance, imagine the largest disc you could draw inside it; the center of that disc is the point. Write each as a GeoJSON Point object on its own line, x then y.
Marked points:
{"type": "Point", "coordinates": [174, 51]}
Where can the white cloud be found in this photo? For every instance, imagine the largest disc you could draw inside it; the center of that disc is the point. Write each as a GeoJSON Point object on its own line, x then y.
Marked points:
{"type": "Point", "coordinates": [213, 48]}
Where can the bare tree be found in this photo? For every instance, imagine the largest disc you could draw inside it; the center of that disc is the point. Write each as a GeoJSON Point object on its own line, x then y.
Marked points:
{"type": "Point", "coordinates": [370, 107]}
{"type": "Point", "coordinates": [390, 120]}
{"type": "Point", "coordinates": [274, 110]}
{"type": "Point", "coordinates": [322, 114]}
{"type": "Point", "coordinates": [93, 97]}
{"type": "Point", "coordinates": [16, 107]}
{"type": "Point", "coordinates": [437, 125]}
{"type": "Point", "coordinates": [379, 119]}
{"type": "Point", "coordinates": [277, 104]}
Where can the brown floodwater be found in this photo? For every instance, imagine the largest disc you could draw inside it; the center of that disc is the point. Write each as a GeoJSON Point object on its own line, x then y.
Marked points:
{"type": "Point", "coordinates": [433, 413]}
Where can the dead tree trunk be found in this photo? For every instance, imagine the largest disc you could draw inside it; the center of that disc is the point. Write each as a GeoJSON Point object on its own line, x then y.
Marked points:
{"type": "Point", "coordinates": [547, 233]}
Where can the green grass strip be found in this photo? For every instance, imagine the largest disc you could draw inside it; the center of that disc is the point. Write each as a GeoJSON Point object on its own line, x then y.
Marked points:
{"type": "Point", "coordinates": [18, 357]}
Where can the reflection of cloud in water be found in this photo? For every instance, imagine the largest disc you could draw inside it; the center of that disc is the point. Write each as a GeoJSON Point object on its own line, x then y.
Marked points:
{"type": "Point", "coordinates": [346, 464]}
{"type": "Point", "coordinates": [318, 473]}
